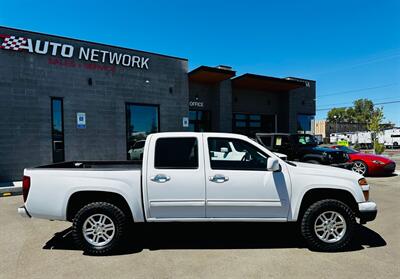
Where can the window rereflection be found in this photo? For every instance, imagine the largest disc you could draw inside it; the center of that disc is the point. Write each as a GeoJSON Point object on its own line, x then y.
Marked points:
{"type": "Point", "coordinates": [141, 120]}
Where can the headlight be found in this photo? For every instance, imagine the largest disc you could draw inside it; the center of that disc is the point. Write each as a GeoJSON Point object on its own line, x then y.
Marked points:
{"type": "Point", "coordinates": [365, 188]}
{"type": "Point", "coordinates": [378, 162]}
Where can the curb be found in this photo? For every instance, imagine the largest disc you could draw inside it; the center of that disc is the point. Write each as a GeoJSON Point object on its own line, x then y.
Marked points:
{"type": "Point", "coordinates": [10, 191]}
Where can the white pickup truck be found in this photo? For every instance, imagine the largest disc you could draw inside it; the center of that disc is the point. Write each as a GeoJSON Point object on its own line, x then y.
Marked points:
{"type": "Point", "coordinates": [192, 177]}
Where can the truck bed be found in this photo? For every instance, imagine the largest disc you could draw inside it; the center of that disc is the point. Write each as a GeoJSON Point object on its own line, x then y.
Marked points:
{"type": "Point", "coordinates": [130, 165]}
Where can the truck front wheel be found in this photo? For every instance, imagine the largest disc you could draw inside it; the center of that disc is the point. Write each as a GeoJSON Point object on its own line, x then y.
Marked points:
{"type": "Point", "coordinates": [328, 225]}
{"type": "Point", "coordinates": [98, 228]}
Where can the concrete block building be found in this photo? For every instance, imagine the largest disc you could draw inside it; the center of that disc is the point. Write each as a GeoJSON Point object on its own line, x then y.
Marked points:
{"type": "Point", "coordinates": [63, 99]}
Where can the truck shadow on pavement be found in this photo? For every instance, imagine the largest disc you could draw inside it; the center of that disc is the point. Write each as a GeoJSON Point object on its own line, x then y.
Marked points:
{"type": "Point", "coordinates": [175, 236]}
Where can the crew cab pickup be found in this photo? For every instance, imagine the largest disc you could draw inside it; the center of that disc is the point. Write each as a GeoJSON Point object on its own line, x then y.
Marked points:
{"type": "Point", "coordinates": [195, 177]}
{"type": "Point", "coordinates": [303, 148]}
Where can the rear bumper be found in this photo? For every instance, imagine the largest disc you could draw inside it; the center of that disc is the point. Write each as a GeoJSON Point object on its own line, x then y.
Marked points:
{"type": "Point", "coordinates": [23, 212]}
{"type": "Point", "coordinates": [368, 211]}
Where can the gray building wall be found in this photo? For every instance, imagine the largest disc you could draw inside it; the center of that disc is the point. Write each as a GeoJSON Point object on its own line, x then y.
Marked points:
{"type": "Point", "coordinates": [29, 80]}
{"type": "Point", "coordinates": [262, 102]}
{"type": "Point", "coordinates": [217, 99]}
{"type": "Point", "coordinates": [301, 101]}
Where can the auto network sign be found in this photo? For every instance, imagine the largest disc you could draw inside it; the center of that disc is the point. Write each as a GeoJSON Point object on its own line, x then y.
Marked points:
{"type": "Point", "coordinates": [16, 43]}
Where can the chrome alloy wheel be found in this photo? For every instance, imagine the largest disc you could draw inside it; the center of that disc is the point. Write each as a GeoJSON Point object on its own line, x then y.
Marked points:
{"type": "Point", "coordinates": [98, 230]}
{"type": "Point", "coordinates": [330, 226]}
{"type": "Point", "coordinates": [359, 167]}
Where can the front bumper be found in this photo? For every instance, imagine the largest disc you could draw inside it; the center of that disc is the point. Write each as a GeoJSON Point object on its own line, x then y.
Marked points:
{"type": "Point", "coordinates": [23, 212]}
{"type": "Point", "coordinates": [368, 211]}
{"type": "Point", "coordinates": [389, 168]}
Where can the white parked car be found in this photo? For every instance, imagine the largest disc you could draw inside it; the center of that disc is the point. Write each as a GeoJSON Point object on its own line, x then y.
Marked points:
{"type": "Point", "coordinates": [182, 179]}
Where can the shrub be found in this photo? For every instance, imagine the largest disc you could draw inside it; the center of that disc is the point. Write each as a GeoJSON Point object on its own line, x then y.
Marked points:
{"type": "Point", "coordinates": [378, 147]}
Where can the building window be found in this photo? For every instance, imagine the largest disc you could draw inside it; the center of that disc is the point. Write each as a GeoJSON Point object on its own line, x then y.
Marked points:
{"type": "Point", "coordinates": [199, 121]}
{"type": "Point", "coordinates": [304, 122]}
{"type": "Point", "coordinates": [57, 130]}
{"type": "Point", "coordinates": [141, 120]}
{"type": "Point", "coordinates": [250, 124]}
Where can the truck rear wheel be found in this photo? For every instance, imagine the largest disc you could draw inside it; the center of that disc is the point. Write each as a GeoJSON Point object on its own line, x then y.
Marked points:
{"type": "Point", "coordinates": [328, 225]}
{"type": "Point", "coordinates": [98, 228]}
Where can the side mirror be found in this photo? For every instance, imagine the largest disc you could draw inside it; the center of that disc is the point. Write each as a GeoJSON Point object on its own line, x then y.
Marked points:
{"type": "Point", "coordinates": [273, 164]}
{"type": "Point", "coordinates": [224, 149]}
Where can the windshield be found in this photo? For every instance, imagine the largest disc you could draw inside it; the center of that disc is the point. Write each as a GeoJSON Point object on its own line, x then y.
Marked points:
{"type": "Point", "coordinates": [307, 140]}
{"type": "Point", "coordinates": [346, 149]}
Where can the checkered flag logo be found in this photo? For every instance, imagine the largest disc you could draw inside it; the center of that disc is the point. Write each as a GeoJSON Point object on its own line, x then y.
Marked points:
{"type": "Point", "coordinates": [13, 42]}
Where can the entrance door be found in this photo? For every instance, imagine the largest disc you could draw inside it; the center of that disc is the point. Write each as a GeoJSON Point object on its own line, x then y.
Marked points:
{"type": "Point", "coordinates": [57, 130]}
{"type": "Point", "coordinates": [199, 121]}
{"type": "Point", "coordinates": [239, 185]}
{"type": "Point", "coordinates": [175, 177]}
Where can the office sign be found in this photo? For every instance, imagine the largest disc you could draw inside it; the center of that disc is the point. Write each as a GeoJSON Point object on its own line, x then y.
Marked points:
{"type": "Point", "coordinates": [81, 120]}
{"type": "Point", "coordinates": [196, 104]}
{"type": "Point", "coordinates": [25, 44]}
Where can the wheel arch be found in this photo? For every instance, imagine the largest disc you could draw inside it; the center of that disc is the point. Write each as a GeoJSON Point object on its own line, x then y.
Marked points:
{"type": "Point", "coordinates": [317, 194]}
{"type": "Point", "coordinates": [315, 157]}
{"type": "Point", "coordinates": [81, 198]}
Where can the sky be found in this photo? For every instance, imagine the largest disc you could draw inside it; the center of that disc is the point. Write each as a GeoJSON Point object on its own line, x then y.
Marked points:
{"type": "Point", "coordinates": [351, 48]}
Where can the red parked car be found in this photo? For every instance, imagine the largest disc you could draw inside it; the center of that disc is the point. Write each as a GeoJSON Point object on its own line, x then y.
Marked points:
{"type": "Point", "coordinates": [368, 164]}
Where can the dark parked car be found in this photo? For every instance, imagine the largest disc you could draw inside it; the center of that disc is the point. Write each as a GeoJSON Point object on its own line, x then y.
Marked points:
{"type": "Point", "coordinates": [303, 148]}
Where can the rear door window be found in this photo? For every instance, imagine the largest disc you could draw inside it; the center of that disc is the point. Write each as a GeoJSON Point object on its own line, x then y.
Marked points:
{"type": "Point", "coordinates": [176, 153]}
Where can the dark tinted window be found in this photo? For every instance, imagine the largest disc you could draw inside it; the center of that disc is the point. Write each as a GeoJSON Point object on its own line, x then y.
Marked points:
{"type": "Point", "coordinates": [141, 120]}
{"type": "Point", "coordinates": [280, 141]}
{"type": "Point", "coordinates": [199, 121]}
{"type": "Point", "coordinates": [304, 122]}
{"type": "Point", "coordinates": [307, 140]}
{"type": "Point", "coordinates": [57, 131]}
{"type": "Point", "coordinates": [176, 153]}
{"type": "Point", "coordinates": [250, 124]}
{"type": "Point", "coordinates": [234, 154]}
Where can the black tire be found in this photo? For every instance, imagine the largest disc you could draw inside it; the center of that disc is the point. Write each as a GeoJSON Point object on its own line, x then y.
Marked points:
{"type": "Point", "coordinates": [313, 162]}
{"type": "Point", "coordinates": [309, 220]}
{"type": "Point", "coordinates": [358, 164]}
{"type": "Point", "coordinates": [112, 212]}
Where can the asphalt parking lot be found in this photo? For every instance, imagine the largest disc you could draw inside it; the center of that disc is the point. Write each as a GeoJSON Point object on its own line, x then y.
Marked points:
{"type": "Point", "coordinates": [33, 248]}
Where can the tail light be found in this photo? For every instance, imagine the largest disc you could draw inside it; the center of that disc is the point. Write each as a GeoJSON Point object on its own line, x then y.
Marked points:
{"type": "Point", "coordinates": [365, 188]}
{"type": "Point", "coordinates": [26, 184]}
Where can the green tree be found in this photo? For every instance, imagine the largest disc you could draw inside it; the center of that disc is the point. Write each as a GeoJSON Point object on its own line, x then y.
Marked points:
{"type": "Point", "coordinates": [375, 126]}
{"type": "Point", "coordinates": [337, 115]}
{"type": "Point", "coordinates": [363, 109]}
{"type": "Point", "coordinates": [361, 112]}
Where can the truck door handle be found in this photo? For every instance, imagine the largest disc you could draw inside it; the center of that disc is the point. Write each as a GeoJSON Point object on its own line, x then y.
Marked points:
{"type": "Point", "coordinates": [160, 178]}
{"type": "Point", "coordinates": [218, 178]}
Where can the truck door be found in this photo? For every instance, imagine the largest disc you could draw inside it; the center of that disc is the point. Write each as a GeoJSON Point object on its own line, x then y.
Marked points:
{"type": "Point", "coordinates": [242, 187]}
{"type": "Point", "coordinates": [175, 177]}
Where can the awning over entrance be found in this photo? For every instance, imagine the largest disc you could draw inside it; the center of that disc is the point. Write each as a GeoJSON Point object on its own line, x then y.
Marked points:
{"type": "Point", "coordinates": [205, 74]}
{"type": "Point", "coordinates": [258, 82]}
